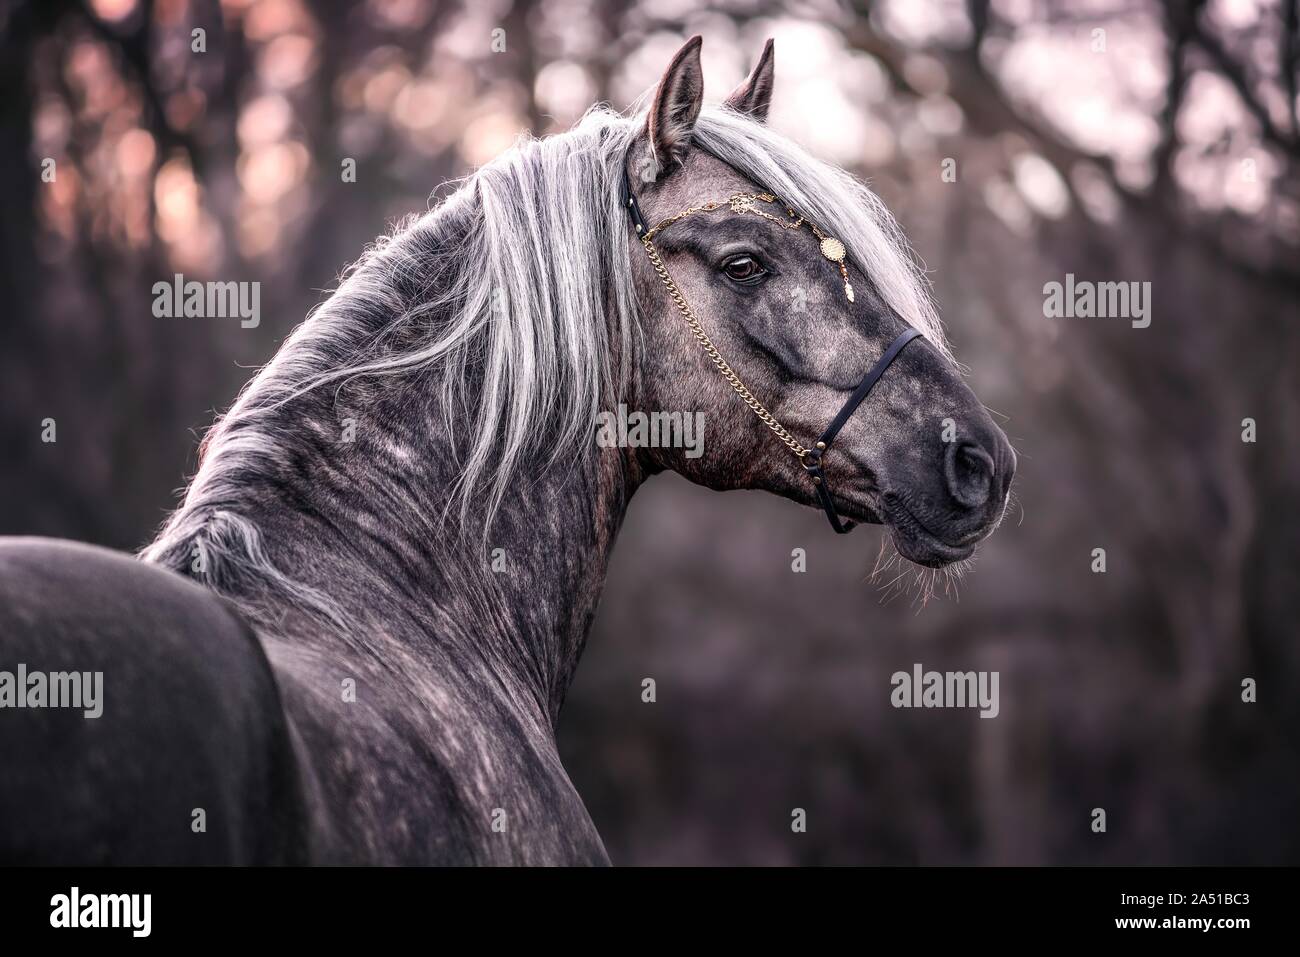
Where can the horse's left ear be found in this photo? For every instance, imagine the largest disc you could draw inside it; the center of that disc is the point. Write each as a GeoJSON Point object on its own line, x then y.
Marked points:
{"type": "Point", "coordinates": [754, 95]}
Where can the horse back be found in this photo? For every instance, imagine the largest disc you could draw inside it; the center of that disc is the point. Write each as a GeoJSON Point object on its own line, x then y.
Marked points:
{"type": "Point", "coordinates": [189, 758]}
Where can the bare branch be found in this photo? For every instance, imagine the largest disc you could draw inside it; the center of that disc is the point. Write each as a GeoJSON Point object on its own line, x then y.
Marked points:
{"type": "Point", "coordinates": [1235, 74]}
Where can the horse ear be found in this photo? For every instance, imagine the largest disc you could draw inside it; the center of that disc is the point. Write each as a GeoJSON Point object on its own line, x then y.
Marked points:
{"type": "Point", "coordinates": [676, 107]}
{"type": "Point", "coordinates": [754, 95]}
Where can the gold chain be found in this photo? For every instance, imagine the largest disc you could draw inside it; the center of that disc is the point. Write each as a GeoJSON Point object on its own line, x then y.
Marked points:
{"type": "Point", "coordinates": [710, 349]}
{"type": "Point", "coordinates": [832, 249]}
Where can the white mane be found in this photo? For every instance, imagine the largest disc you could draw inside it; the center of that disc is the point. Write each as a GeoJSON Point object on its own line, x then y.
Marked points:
{"type": "Point", "coordinates": [531, 329]}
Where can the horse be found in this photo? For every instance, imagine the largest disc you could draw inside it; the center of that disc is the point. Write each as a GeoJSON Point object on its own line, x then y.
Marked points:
{"type": "Point", "coordinates": [351, 641]}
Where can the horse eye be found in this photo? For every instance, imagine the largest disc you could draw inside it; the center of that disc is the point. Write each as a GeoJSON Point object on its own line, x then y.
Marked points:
{"type": "Point", "coordinates": [744, 269]}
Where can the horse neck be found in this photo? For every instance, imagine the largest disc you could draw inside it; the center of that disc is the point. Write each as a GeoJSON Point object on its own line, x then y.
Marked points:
{"type": "Point", "coordinates": [362, 524]}
{"type": "Point", "coordinates": [532, 589]}
{"type": "Point", "coordinates": [510, 609]}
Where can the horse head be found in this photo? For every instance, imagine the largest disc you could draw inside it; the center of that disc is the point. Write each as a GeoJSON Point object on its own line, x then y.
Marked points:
{"type": "Point", "coordinates": [776, 293]}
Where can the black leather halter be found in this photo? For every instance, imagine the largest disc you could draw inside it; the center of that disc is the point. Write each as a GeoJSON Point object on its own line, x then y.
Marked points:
{"type": "Point", "coordinates": [812, 458]}
{"type": "Point", "coordinates": [812, 462]}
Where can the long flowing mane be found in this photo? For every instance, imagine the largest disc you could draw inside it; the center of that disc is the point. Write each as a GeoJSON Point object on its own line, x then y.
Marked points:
{"type": "Point", "coordinates": [512, 300]}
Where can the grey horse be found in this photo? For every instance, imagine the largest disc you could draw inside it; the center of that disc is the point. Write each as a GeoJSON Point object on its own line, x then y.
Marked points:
{"type": "Point", "coordinates": [352, 641]}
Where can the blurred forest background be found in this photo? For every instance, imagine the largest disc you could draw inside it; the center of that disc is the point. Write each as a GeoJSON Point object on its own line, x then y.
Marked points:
{"type": "Point", "coordinates": [1114, 139]}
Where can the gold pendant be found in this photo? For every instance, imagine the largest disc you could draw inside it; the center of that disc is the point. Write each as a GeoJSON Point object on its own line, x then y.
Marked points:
{"type": "Point", "coordinates": [833, 249]}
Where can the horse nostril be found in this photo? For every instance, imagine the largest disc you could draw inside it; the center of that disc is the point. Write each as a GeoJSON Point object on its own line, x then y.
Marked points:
{"type": "Point", "coordinates": [969, 473]}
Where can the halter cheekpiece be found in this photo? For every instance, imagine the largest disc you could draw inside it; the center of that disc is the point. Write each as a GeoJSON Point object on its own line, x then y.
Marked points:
{"type": "Point", "coordinates": [834, 251]}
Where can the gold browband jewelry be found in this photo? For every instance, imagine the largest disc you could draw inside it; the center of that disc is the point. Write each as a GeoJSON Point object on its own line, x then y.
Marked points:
{"type": "Point", "coordinates": [831, 247]}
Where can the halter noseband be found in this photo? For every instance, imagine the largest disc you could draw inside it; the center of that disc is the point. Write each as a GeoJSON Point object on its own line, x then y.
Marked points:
{"type": "Point", "coordinates": [833, 250]}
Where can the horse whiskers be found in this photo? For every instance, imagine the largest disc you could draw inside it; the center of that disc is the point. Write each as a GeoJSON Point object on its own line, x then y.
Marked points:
{"type": "Point", "coordinates": [893, 558]}
{"type": "Point", "coordinates": [888, 559]}
{"type": "Point", "coordinates": [925, 582]}
{"type": "Point", "coordinates": [1014, 500]}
